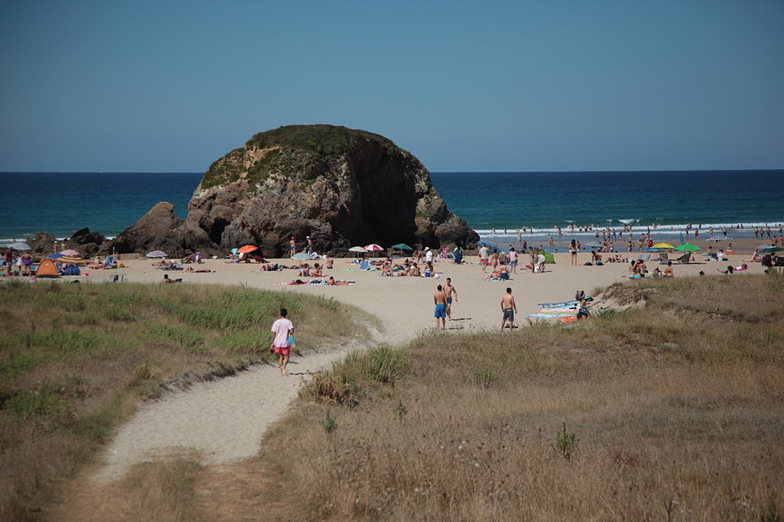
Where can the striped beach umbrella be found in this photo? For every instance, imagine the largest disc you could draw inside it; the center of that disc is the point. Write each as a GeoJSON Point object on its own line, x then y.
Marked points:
{"type": "Point", "coordinates": [156, 253]}
{"type": "Point", "coordinates": [71, 260]}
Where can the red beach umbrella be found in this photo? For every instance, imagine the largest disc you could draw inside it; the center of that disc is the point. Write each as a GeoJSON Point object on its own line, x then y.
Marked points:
{"type": "Point", "coordinates": [247, 248]}
{"type": "Point", "coordinates": [373, 247]}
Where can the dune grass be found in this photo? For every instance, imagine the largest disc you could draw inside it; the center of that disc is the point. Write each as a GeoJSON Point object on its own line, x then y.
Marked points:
{"type": "Point", "coordinates": [75, 360]}
{"type": "Point", "coordinates": [669, 411]}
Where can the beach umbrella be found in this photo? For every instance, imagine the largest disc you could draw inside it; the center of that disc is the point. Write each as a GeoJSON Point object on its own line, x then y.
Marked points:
{"type": "Point", "coordinates": [70, 252]}
{"type": "Point", "coordinates": [71, 260]}
{"type": "Point", "coordinates": [489, 244]}
{"type": "Point", "coordinates": [19, 245]}
{"type": "Point", "coordinates": [687, 247]}
{"type": "Point", "coordinates": [402, 246]}
{"type": "Point", "coordinates": [247, 248]}
{"type": "Point", "coordinates": [373, 247]}
{"type": "Point", "coordinates": [663, 246]}
{"type": "Point", "coordinates": [771, 250]}
{"type": "Point", "coordinates": [356, 249]}
{"type": "Point", "coordinates": [302, 256]}
{"type": "Point", "coordinates": [762, 247]}
{"type": "Point", "coordinates": [156, 253]}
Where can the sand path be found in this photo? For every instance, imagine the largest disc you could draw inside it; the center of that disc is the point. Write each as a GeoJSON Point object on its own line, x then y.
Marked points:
{"type": "Point", "coordinates": [225, 420]}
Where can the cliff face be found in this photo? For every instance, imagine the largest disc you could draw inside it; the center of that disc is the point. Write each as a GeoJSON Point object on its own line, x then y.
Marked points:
{"type": "Point", "coordinates": [339, 186]}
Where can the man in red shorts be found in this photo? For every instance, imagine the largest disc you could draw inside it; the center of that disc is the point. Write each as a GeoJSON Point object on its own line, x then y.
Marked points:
{"type": "Point", "coordinates": [281, 329]}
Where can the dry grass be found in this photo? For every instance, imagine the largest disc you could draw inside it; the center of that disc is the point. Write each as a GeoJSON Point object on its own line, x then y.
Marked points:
{"type": "Point", "coordinates": [677, 410]}
{"type": "Point", "coordinates": [76, 360]}
{"type": "Point", "coordinates": [676, 407]}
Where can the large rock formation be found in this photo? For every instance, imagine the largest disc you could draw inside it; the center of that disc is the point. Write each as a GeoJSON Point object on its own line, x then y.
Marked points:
{"type": "Point", "coordinates": [339, 186]}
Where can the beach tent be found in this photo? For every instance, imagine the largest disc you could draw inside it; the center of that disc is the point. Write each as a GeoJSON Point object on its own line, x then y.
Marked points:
{"type": "Point", "coordinates": [549, 258]}
{"type": "Point", "coordinates": [46, 269]}
{"type": "Point", "coordinates": [72, 270]}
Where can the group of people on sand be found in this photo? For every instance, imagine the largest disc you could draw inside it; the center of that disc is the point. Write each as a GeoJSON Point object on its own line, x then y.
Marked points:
{"type": "Point", "coordinates": [16, 264]}
{"type": "Point", "coordinates": [443, 298]}
{"type": "Point", "coordinates": [409, 267]}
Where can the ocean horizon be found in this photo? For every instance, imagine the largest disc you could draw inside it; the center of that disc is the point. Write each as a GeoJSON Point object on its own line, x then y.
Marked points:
{"type": "Point", "coordinates": [495, 204]}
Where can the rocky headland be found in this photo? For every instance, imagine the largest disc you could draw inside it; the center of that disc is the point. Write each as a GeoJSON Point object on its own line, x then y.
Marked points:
{"type": "Point", "coordinates": [341, 187]}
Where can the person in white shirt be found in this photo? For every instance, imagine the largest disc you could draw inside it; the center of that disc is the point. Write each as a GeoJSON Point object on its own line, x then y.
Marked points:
{"type": "Point", "coordinates": [281, 330]}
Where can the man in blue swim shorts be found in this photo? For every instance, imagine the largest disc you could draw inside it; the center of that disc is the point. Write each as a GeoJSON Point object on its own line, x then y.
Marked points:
{"type": "Point", "coordinates": [439, 298]}
{"type": "Point", "coordinates": [509, 308]}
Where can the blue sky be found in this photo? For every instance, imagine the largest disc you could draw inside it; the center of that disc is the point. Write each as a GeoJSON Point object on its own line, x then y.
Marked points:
{"type": "Point", "coordinates": [501, 86]}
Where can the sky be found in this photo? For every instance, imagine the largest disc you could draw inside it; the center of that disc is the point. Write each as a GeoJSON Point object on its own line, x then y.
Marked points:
{"type": "Point", "coordinates": [546, 85]}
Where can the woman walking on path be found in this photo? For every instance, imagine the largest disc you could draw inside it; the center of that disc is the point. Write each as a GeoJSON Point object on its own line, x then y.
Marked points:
{"type": "Point", "coordinates": [281, 329]}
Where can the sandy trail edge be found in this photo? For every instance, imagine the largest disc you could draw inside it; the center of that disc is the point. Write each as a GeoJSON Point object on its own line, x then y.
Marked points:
{"type": "Point", "coordinates": [224, 420]}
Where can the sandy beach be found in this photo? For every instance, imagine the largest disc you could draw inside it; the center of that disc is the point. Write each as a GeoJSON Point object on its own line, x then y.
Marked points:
{"type": "Point", "coordinates": [225, 420]}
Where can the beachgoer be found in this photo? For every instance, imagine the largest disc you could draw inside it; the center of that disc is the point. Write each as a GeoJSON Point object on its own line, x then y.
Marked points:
{"type": "Point", "coordinates": [292, 247]}
{"type": "Point", "coordinates": [668, 271]}
{"type": "Point", "coordinates": [509, 307]}
{"type": "Point", "coordinates": [573, 252]}
{"type": "Point", "coordinates": [483, 255]}
{"type": "Point", "coordinates": [27, 261]}
{"type": "Point", "coordinates": [281, 329]}
{"type": "Point", "coordinates": [428, 255]}
{"type": "Point", "coordinates": [513, 260]}
{"type": "Point", "coordinates": [9, 261]}
{"type": "Point", "coordinates": [440, 301]}
{"type": "Point", "coordinates": [310, 245]}
{"type": "Point", "coordinates": [449, 291]}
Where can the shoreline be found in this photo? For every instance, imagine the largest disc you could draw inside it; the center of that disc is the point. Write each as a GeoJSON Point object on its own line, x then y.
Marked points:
{"type": "Point", "coordinates": [660, 233]}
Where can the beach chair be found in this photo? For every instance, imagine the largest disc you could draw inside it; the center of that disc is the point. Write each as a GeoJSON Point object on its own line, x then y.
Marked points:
{"type": "Point", "coordinates": [647, 258]}
{"type": "Point", "coordinates": [685, 258]}
{"type": "Point", "coordinates": [364, 265]}
{"type": "Point", "coordinates": [663, 258]}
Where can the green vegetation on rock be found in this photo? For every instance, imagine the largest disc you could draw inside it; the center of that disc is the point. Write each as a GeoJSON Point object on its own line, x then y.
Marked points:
{"type": "Point", "coordinates": [291, 150]}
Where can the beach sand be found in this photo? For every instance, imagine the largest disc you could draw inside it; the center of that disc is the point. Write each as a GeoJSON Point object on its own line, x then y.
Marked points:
{"type": "Point", "coordinates": [225, 420]}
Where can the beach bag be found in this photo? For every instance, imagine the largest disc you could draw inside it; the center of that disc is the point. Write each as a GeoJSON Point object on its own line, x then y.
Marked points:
{"type": "Point", "coordinates": [292, 342]}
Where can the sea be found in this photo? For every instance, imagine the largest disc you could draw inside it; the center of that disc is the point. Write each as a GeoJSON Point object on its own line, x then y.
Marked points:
{"type": "Point", "coordinates": [495, 204]}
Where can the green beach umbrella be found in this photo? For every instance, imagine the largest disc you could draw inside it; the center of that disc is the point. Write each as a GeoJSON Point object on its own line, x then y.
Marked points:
{"type": "Point", "coordinates": [402, 246]}
{"type": "Point", "coordinates": [771, 250]}
{"type": "Point", "coordinates": [356, 249]}
{"type": "Point", "coordinates": [687, 247]}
